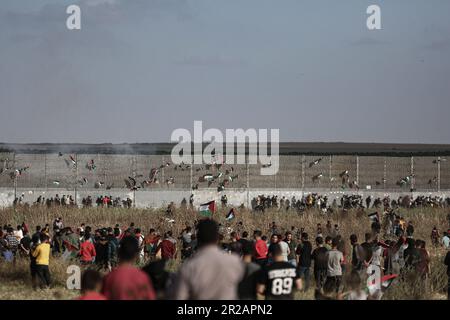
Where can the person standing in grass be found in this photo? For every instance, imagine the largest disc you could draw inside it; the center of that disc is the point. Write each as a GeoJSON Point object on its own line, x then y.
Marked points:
{"type": "Point", "coordinates": [248, 284]}
{"type": "Point", "coordinates": [278, 280]}
{"type": "Point", "coordinates": [168, 247]}
{"type": "Point", "coordinates": [292, 258]}
{"type": "Point", "coordinates": [446, 239]}
{"type": "Point", "coordinates": [87, 251]}
{"type": "Point", "coordinates": [12, 243]}
{"type": "Point", "coordinates": [126, 282]}
{"type": "Point", "coordinates": [319, 256]}
{"type": "Point", "coordinates": [42, 255]}
{"type": "Point", "coordinates": [304, 251]}
{"type": "Point", "coordinates": [335, 259]}
{"type": "Point", "coordinates": [210, 274]}
{"type": "Point", "coordinates": [261, 250]}
{"type": "Point", "coordinates": [447, 263]}
{"type": "Point", "coordinates": [91, 284]}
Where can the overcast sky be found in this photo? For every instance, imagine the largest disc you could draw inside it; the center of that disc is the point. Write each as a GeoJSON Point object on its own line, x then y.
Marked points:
{"type": "Point", "coordinates": [138, 69]}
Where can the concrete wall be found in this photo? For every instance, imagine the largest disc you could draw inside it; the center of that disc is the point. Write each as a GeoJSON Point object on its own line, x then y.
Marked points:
{"type": "Point", "coordinates": [161, 198]}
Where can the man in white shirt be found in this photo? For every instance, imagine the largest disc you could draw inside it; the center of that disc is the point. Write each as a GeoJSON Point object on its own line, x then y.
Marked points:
{"type": "Point", "coordinates": [446, 239]}
{"type": "Point", "coordinates": [210, 274]}
{"type": "Point", "coordinates": [334, 270]}
{"type": "Point", "coordinates": [285, 251]}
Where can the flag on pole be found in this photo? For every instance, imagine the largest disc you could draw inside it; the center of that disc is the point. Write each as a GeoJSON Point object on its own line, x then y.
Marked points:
{"type": "Point", "coordinates": [207, 209]}
{"type": "Point", "coordinates": [384, 284]}
{"type": "Point", "coordinates": [231, 215]}
{"type": "Point", "coordinates": [374, 217]}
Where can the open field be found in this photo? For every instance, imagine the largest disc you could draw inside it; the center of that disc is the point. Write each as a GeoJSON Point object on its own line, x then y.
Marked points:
{"type": "Point", "coordinates": [15, 280]}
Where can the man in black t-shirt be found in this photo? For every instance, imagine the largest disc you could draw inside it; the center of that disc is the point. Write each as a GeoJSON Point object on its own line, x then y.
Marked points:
{"type": "Point", "coordinates": [447, 263]}
{"type": "Point", "coordinates": [244, 239]}
{"type": "Point", "coordinates": [304, 263]}
{"type": "Point", "coordinates": [278, 280]}
{"type": "Point", "coordinates": [25, 245]}
{"type": "Point", "coordinates": [366, 251]}
{"type": "Point", "coordinates": [319, 256]}
{"type": "Point", "coordinates": [235, 246]}
{"type": "Point", "coordinates": [248, 284]}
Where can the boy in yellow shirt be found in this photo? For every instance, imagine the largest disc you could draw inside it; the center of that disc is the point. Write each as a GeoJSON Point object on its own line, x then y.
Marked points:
{"type": "Point", "coordinates": [42, 255]}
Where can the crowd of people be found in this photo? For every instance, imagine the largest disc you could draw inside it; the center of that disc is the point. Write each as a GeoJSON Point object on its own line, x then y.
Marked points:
{"type": "Point", "coordinates": [69, 201]}
{"type": "Point", "coordinates": [345, 201]}
{"type": "Point", "coordinates": [126, 263]}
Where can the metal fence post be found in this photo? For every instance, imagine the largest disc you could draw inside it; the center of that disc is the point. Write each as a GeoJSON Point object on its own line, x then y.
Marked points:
{"type": "Point", "coordinates": [413, 178]}
{"type": "Point", "coordinates": [357, 170]}
{"type": "Point", "coordinates": [45, 171]}
{"type": "Point", "coordinates": [76, 177]}
{"type": "Point", "coordinates": [439, 174]}
{"type": "Point", "coordinates": [329, 173]}
{"type": "Point", "coordinates": [248, 182]}
{"type": "Point", "coordinates": [191, 178]}
{"type": "Point", "coordinates": [15, 177]}
{"type": "Point", "coordinates": [162, 172]}
{"type": "Point", "coordinates": [303, 172]}
{"type": "Point", "coordinates": [384, 173]}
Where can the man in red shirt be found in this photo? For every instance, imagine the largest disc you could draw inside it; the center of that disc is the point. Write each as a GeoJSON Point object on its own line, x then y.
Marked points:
{"type": "Point", "coordinates": [260, 249]}
{"type": "Point", "coordinates": [168, 247]}
{"type": "Point", "coordinates": [127, 282]}
{"type": "Point", "coordinates": [87, 251]}
{"type": "Point", "coordinates": [91, 283]}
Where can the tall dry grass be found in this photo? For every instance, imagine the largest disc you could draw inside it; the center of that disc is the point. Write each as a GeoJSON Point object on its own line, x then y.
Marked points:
{"type": "Point", "coordinates": [15, 280]}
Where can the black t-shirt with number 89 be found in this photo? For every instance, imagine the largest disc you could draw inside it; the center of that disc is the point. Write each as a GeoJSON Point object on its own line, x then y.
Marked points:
{"type": "Point", "coordinates": [279, 279]}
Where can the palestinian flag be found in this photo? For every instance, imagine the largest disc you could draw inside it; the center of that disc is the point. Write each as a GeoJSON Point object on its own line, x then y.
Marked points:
{"type": "Point", "coordinates": [208, 177]}
{"type": "Point", "coordinates": [387, 280]}
{"type": "Point", "coordinates": [231, 215]}
{"type": "Point", "coordinates": [383, 244]}
{"type": "Point", "coordinates": [207, 209]}
{"type": "Point", "coordinates": [374, 217]}
{"type": "Point", "coordinates": [385, 283]}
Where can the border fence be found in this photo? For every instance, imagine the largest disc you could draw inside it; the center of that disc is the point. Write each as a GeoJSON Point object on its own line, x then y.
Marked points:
{"type": "Point", "coordinates": [341, 172]}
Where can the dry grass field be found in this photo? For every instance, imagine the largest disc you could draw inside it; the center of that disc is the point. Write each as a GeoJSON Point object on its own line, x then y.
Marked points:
{"type": "Point", "coordinates": [15, 279]}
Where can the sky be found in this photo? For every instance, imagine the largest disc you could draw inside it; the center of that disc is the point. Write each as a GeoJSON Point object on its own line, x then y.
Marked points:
{"type": "Point", "coordinates": [139, 69]}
